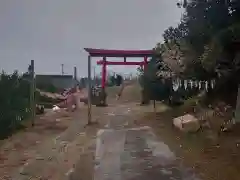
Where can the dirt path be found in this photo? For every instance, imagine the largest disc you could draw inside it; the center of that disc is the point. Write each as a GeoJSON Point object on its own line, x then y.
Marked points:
{"type": "Point", "coordinates": [48, 150]}
{"type": "Point", "coordinates": [125, 151]}
{"type": "Point", "coordinates": [60, 146]}
{"type": "Point", "coordinates": [53, 148]}
{"type": "Point", "coordinates": [22, 147]}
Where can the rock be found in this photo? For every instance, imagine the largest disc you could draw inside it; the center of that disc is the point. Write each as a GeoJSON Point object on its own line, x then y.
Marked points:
{"type": "Point", "coordinates": [22, 170]}
{"type": "Point", "coordinates": [56, 108]}
{"type": "Point", "coordinates": [187, 123]}
{"type": "Point", "coordinates": [40, 158]}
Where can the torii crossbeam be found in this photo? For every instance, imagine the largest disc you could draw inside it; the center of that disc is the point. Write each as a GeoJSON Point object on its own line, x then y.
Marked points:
{"type": "Point", "coordinates": [104, 53]}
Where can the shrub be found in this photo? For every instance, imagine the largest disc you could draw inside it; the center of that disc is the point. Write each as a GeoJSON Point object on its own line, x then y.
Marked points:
{"type": "Point", "coordinates": [14, 102]}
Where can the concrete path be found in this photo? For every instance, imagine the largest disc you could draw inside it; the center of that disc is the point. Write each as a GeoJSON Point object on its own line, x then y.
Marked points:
{"type": "Point", "coordinates": [135, 154]}
{"type": "Point", "coordinates": [122, 151]}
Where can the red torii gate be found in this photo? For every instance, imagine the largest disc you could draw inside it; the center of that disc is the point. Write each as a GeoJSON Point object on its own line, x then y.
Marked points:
{"type": "Point", "coordinates": [104, 53]}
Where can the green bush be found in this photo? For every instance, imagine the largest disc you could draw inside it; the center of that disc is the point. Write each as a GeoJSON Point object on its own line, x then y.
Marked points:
{"type": "Point", "coordinates": [14, 102]}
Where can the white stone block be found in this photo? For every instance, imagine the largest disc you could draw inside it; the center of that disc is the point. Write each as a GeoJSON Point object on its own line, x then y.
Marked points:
{"type": "Point", "coordinates": [187, 123]}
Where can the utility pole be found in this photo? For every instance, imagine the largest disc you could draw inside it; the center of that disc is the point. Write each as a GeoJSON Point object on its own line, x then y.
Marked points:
{"type": "Point", "coordinates": [32, 92]}
{"type": "Point", "coordinates": [62, 69]}
{"type": "Point", "coordinates": [75, 73]}
{"type": "Point", "coordinates": [94, 71]}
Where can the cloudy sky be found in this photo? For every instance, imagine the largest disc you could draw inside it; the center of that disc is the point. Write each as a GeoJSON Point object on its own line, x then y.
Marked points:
{"type": "Point", "coordinates": [54, 32]}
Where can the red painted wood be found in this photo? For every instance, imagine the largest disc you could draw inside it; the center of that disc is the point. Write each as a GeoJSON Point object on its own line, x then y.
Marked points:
{"type": "Point", "coordinates": [118, 53]}
{"type": "Point", "coordinates": [101, 62]}
{"type": "Point", "coordinates": [104, 72]}
{"type": "Point", "coordinates": [145, 62]}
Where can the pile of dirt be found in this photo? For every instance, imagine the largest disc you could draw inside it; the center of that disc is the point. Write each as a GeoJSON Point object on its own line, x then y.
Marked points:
{"type": "Point", "coordinates": [64, 100]}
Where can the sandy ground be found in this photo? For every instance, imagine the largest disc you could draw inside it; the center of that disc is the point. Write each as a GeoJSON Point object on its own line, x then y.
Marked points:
{"type": "Point", "coordinates": [61, 145]}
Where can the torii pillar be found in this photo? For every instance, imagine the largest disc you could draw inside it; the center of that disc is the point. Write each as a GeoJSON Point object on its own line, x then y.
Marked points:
{"type": "Point", "coordinates": [104, 73]}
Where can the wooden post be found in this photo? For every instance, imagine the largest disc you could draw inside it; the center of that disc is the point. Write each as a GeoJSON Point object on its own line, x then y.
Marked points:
{"type": "Point", "coordinates": [89, 91]}
{"type": "Point", "coordinates": [154, 106]}
{"type": "Point", "coordinates": [32, 92]}
{"type": "Point", "coordinates": [94, 76]}
{"type": "Point", "coordinates": [236, 118]}
{"type": "Point", "coordinates": [104, 73]}
{"type": "Point", "coordinates": [104, 77]}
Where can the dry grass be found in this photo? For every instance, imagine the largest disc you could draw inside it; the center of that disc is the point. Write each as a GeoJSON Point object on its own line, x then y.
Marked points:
{"type": "Point", "coordinates": [215, 155]}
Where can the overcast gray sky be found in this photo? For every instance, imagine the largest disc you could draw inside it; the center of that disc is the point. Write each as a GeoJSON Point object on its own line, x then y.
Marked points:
{"type": "Point", "coordinates": [54, 32]}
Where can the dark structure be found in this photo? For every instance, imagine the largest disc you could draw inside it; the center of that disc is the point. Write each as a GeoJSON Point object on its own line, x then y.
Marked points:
{"type": "Point", "coordinates": [58, 81]}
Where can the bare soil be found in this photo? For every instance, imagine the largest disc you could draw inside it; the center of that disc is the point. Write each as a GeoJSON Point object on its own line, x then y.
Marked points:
{"type": "Point", "coordinates": [61, 142]}
{"type": "Point", "coordinates": [214, 155]}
